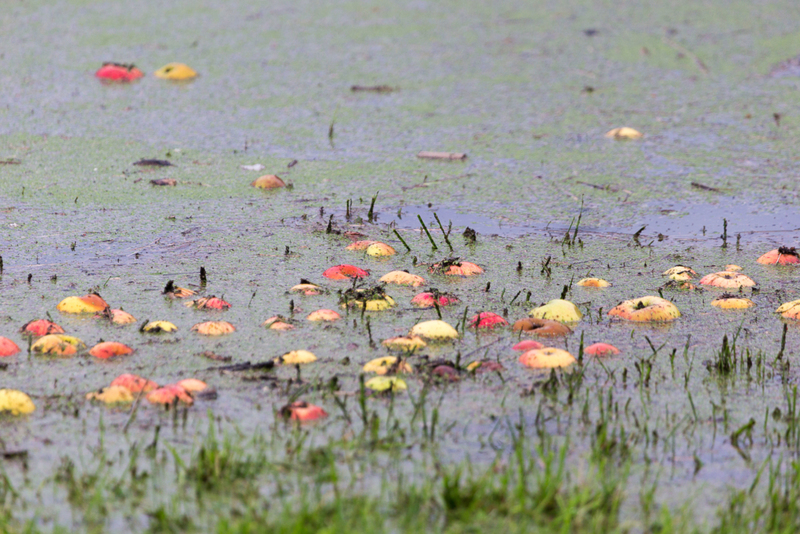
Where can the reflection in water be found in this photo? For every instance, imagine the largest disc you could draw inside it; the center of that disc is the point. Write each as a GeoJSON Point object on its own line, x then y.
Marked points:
{"type": "Point", "coordinates": [669, 220]}
{"type": "Point", "coordinates": [407, 218]}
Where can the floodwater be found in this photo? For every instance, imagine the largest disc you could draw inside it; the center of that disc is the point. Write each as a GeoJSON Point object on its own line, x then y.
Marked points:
{"type": "Point", "coordinates": [679, 221]}
{"type": "Point", "coordinates": [524, 88]}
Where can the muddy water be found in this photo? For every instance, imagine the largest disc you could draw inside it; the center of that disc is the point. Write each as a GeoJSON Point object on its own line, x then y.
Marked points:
{"type": "Point", "coordinates": [522, 88]}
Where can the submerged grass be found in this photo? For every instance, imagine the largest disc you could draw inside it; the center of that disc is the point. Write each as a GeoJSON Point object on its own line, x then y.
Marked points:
{"type": "Point", "coordinates": [587, 477]}
{"type": "Point", "coordinates": [533, 486]}
{"type": "Point", "coordinates": [221, 466]}
{"type": "Point", "coordinates": [588, 452]}
{"type": "Point", "coordinates": [297, 488]}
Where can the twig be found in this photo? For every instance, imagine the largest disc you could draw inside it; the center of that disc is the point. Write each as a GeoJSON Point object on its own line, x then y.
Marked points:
{"type": "Point", "coordinates": [600, 187]}
{"type": "Point", "coordinates": [245, 366]}
{"type": "Point", "coordinates": [697, 61]}
{"type": "Point", "coordinates": [442, 155]}
{"type": "Point", "coordinates": [373, 88]}
{"type": "Point", "coordinates": [705, 187]}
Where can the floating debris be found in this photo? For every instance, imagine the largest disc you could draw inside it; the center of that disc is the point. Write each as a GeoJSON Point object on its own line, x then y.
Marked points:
{"type": "Point", "coordinates": [698, 185]}
{"type": "Point", "coordinates": [404, 343]}
{"type": "Point", "coordinates": [559, 310]}
{"type": "Point", "coordinates": [546, 358]}
{"type": "Point", "coordinates": [7, 347]}
{"type": "Point", "coordinates": [171, 394]}
{"type": "Point", "coordinates": [175, 71]}
{"type": "Point", "coordinates": [780, 256]}
{"type": "Point", "coordinates": [434, 330]}
{"type": "Point", "coordinates": [173, 291]}
{"type": "Point", "coordinates": [442, 155]}
{"type": "Point", "coordinates": [593, 282]}
{"type": "Point", "coordinates": [214, 328]}
{"type": "Point", "coordinates": [345, 272]}
{"type": "Point", "coordinates": [680, 273]}
{"type": "Point", "coordinates": [302, 411]}
{"type": "Point", "coordinates": [208, 303]}
{"type": "Point", "coordinates": [485, 366]}
{"type": "Point", "coordinates": [526, 345]}
{"type": "Point", "coordinates": [153, 163]}
{"type": "Point", "coordinates": [278, 322]}
{"type": "Point", "coordinates": [624, 133]}
{"type": "Point", "coordinates": [15, 402]}
{"type": "Point", "coordinates": [323, 315]}
{"type": "Point", "coordinates": [165, 182]}
{"type": "Point", "coordinates": [373, 88]}
{"type": "Point", "coordinates": [109, 349]}
{"type": "Point", "coordinates": [307, 288]}
{"type": "Point", "coordinates": [455, 267]}
{"type": "Point", "coordinates": [58, 345]}
{"type": "Point", "coordinates": [134, 383]}
{"type": "Point", "coordinates": [387, 365]}
{"type": "Point", "coordinates": [542, 327]}
{"type": "Point", "coordinates": [256, 167]}
{"type": "Point", "coordinates": [268, 181]}
{"type": "Point", "coordinates": [379, 249]}
{"type": "Point", "coordinates": [118, 72]}
{"type": "Point", "coordinates": [111, 395]}
{"type": "Point", "coordinates": [487, 320]}
{"type": "Point", "coordinates": [402, 278]}
{"type": "Point", "coordinates": [155, 327]}
{"type": "Point", "coordinates": [790, 310]}
{"type": "Point", "coordinates": [727, 279]}
{"type": "Point", "coordinates": [432, 298]}
{"type": "Point", "coordinates": [40, 327]}
{"type": "Point", "coordinates": [601, 350]}
{"type": "Point", "coordinates": [386, 383]}
{"type": "Point", "coordinates": [296, 357]}
{"type": "Point", "coordinates": [367, 298]}
{"type": "Point", "coordinates": [120, 317]}
{"type": "Point", "coordinates": [91, 303]}
{"type": "Point", "coordinates": [726, 301]}
{"type": "Point", "coordinates": [360, 245]}
{"type": "Point", "coordinates": [646, 309]}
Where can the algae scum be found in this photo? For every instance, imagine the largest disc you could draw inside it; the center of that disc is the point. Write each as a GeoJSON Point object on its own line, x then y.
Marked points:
{"type": "Point", "coordinates": [694, 426]}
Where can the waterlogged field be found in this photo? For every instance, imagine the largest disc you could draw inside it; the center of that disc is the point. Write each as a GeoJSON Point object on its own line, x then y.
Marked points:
{"type": "Point", "coordinates": [693, 426]}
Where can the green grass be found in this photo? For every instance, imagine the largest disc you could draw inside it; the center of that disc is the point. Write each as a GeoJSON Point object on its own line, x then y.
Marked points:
{"type": "Point", "coordinates": [537, 484]}
{"type": "Point", "coordinates": [285, 480]}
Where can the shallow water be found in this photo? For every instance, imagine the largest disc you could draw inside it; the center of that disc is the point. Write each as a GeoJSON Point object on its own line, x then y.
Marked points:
{"type": "Point", "coordinates": [518, 86]}
{"type": "Point", "coordinates": [679, 221]}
